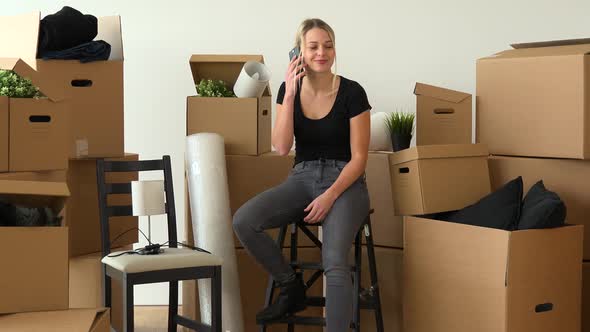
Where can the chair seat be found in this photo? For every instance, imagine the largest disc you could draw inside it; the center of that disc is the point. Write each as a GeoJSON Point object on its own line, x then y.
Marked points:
{"type": "Point", "coordinates": [171, 258]}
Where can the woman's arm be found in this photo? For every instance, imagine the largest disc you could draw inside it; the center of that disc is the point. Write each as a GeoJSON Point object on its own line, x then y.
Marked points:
{"type": "Point", "coordinates": [282, 133]}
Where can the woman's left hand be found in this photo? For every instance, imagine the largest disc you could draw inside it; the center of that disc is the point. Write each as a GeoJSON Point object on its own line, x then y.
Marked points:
{"type": "Point", "coordinates": [319, 208]}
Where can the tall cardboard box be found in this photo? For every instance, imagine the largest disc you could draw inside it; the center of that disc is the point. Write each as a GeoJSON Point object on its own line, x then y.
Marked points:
{"type": "Point", "coordinates": [73, 320]}
{"type": "Point", "coordinates": [82, 216]}
{"type": "Point", "coordinates": [443, 116]}
{"type": "Point", "coordinates": [387, 227]}
{"type": "Point", "coordinates": [94, 89]}
{"type": "Point", "coordinates": [34, 131]}
{"type": "Point", "coordinates": [463, 278]}
{"type": "Point", "coordinates": [253, 283]}
{"type": "Point", "coordinates": [244, 123]}
{"type": "Point", "coordinates": [248, 176]}
{"type": "Point", "coordinates": [566, 177]}
{"type": "Point", "coordinates": [532, 100]}
{"type": "Point", "coordinates": [436, 178]}
{"type": "Point", "coordinates": [35, 262]}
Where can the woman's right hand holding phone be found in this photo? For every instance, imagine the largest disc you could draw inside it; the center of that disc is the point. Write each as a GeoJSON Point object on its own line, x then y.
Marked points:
{"type": "Point", "coordinates": [295, 72]}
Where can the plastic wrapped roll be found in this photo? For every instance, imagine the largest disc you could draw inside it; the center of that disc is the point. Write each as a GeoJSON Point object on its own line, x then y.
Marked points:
{"type": "Point", "coordinates": [252, 81]}
{"type": "Point", "coordinates": [211, 221]}
{"type": "Point", "coordinates": [380, 138]}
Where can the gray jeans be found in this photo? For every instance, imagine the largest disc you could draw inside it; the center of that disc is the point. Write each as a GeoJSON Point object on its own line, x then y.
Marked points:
{"type": "Point", "coordinates": [284, 204]}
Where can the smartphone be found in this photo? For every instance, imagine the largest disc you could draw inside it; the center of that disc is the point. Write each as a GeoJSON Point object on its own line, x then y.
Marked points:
{"type": "Point", "coordinates": [295, 53]}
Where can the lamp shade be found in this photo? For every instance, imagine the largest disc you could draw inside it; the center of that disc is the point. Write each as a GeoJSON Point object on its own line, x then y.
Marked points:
{"type": "Point", "coordinates": [148, 197]}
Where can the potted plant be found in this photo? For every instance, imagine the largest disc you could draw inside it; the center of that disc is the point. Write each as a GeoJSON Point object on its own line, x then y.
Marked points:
{"type": "Point", "coordinates": [213, 88]}
{"type": "Point", "coordinates": [14, 86]}
{"type": "Point", "coordinates": [400, 126]}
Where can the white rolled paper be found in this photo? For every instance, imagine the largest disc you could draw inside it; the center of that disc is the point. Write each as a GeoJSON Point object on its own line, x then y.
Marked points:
{"type": "Point", "coordinates": [148, 198]}
{"type": "Point", "coordinates": [380, 137]}
{"type": "Point", "coordinates": [211, 221]}
{"type": "Point", "coordinates": [252, 81]}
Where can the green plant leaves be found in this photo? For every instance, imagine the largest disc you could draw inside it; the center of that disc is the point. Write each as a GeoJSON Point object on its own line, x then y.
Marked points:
{"type": "Point", "coordinates": [401, 123]}
{"type": "Point", "coordinates": [14, 86]}
{"type": "Point", "coordinates": [213, 88]}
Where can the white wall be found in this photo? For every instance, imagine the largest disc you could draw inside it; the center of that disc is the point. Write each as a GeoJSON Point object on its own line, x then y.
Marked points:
{"type": "Point", "coordinates": [385, 45]}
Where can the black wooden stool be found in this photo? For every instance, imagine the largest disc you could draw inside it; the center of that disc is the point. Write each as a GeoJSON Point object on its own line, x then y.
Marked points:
{"type": "Point", "coordinates": [363, 298]}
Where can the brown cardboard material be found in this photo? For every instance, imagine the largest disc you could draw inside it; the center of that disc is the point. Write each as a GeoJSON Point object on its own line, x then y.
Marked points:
{"type": "Point", "coordinates": [244, 123]}
{"type": "Point", "coordinates": [94, 90]}
{"type": "Point", "coordinates": [443, 116]}
{"type": "Point", "coordinates": [253, 283]}
{"type": "Point", "coordinates": [86, 286]}
{"type": "Point", "coordinates": [41, 176]}
{"type": "Point", "coordinates": [387, 227]}
{"type": "Point", "coordinates": [247, 176]}
{"type": "Point", "coordinates": [38, 128]}
{"type": "Point", "coordinates": [532, 101]}
{"type": "Point", "coordinates": [566, 177]}
{"type": "Point", "coordinates": [586, 297]}
{"type": "Point", "coordinates": [81, 214]}
{"type": "Point", "coordinates": [4, 133]}
{"type": "Point", "coordinates": [465, 278]}
{"type": "Point", "coordinates": [420, 174]}
{"type": "Point", "coordinates": [73, 320]}
{"type": "Point", "coordinates": [36, 275]}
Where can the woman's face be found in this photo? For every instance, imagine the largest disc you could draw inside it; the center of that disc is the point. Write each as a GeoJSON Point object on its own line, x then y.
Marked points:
{"type": "Point", "coordinates": [318, 51]}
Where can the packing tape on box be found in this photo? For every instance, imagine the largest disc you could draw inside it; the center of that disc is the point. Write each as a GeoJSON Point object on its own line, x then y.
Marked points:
{"type": "Point", "coordinates": [212, 223]}
{"type": "Point", "coordinates": [380, 138]}
{"type": "Point", "coordinates": [252, 81]}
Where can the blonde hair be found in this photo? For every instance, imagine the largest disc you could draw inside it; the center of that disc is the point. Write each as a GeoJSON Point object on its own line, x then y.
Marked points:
{"type": "Point", "coordinates": [307, 25]}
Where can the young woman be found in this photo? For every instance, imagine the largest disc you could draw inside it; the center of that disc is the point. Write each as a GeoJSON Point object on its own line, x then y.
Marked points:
{"type": "Point", "coordinates": [328, 115]}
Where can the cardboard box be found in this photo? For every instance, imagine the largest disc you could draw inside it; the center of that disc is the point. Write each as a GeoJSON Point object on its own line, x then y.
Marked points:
{"type": "Point", "coordinates": [248, 176]}
{"type": "Point", "coordinates": [87, 287]}
{"type": "Point", "coordinates": [443, 116]}
{"type": "Point", "coordinates": [387, 227]}
{"type": "Point", "coordinates": [34, 130]}
{"type": "Point", "coordinates": [586, 297]}
{"type": "Point", "coordinates": [253, 283]}
{"type": "Point", "coordinates": [94, 89]}
{"type": "Point", "coordinates": [466, 278]}
{"type": "Point", "coordinates": [531, 100]}
{"type": "Point", "coordinates": [74, 320]}
{"type": "Point", "coordinates": [35, 267]}
{"type": "Point", "coordinates": [41, 176]}
{"type": "Point", "coordinates": [436, 178]}
{"type": "Point", "coordinates": [82, 215]}
{"type": "Point", "coordinates": [244, 123]}
{"type": "Point", "coordinates": [566, 177]}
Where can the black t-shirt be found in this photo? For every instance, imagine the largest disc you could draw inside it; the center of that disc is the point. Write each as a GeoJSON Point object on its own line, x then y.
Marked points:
{"type": "Point", "coordinates": [328, 137]}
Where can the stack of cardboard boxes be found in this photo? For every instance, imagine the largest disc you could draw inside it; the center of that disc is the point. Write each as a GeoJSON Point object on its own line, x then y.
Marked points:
{"type": "Point", "coordinates": [245, 124]}
{"type": "Point", "coordinates": [48, 152]}
{"type": "Point", "coordinates": [532, 104]}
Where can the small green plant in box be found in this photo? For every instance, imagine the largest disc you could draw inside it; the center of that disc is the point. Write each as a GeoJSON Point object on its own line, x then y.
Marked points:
{"type": "Point", "coordinates": [401, 127]}
{"type": "Point", "coordinates": [14, 86]}
{"type": "Point", "coordinates": [213, 88]}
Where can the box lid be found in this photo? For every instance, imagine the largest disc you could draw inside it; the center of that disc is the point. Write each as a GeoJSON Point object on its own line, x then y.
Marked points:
{"type": "Point", "coordinates": [73, 320]}
{"type": "Point", "coordinates": [544, 48]}
{"type": "Point", "coordinates": [19, 66]}
{"type": "Point", "coordinates": [35, 193]}
{"type": "Point", "coordinates": [438, 151]}
{"type": "Point", "coordinates": [452, 96]}
{"type": "Point", "coordinates": [225, 67]}
{"type": "Point", "coordinates": [19, 36]}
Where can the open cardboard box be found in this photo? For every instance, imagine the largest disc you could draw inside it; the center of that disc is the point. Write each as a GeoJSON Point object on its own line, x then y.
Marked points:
{"type": "Point", "coordinates": [443, 116]}
{"type": "Point", "coordinates": [94, 89]}
{"type": "Point", "coordinates": [244, 123]}
{"type": "Point", "coordinates": [33, 131]}
{"type": "Point", "coordinates": [73, 320]}
{"type": "Point", "coordinates": [532, 100]}
{"type": "Point", "coordinates": [437, 178]}
{"type": "Point", "coordinates": [34, 259]}
{"type": "Point", "coordinates": [463, 278]}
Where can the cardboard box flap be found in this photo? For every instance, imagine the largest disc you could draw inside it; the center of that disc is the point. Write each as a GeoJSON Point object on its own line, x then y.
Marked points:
{"type": "Point", "coordinates": [452, 96]}
{"type": "Point", "coordinates": [73, 320]}
{"type": "Point", "coordinates": [532, 52]}
{"type": "Point", "coordinates": [19, 35]}
{"type": "Point", "coordinates": [35, 193]}
{"type": "Point", "coordinates": [23, 69]}
{"type": "Point", "coordinates": [109, 30]}
{"type": "Point", "coordinates": [225, 67]}
{"type": "Point", "coordinates": [563, 42]}
{"type": "Point", "coordinates": [438, 151]}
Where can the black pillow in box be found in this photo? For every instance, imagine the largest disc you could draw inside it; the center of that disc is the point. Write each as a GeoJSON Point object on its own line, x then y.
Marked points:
{"type": "Point", "coordinates": [542, 209]}
{"type": "Point", "coordinates": [500, 209]}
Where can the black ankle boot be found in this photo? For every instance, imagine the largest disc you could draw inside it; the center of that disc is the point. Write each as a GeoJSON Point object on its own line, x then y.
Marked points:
{"type": "Point", "coordinates": [291, 299]}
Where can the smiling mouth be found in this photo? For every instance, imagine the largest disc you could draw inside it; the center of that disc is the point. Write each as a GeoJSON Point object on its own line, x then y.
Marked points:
{"type": "Point", "coordinates": [321, 61]}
